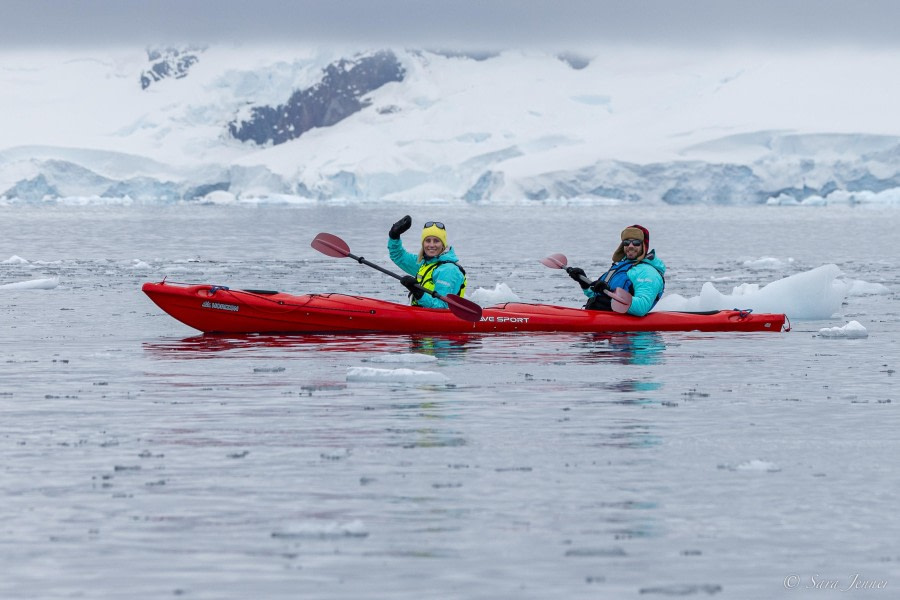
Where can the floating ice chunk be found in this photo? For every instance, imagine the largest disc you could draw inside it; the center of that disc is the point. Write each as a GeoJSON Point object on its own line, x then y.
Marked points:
{"type": "Point", "coordinates": [814, 200]}
{"type": "Point", "coordinates": [394, 375]}
{"type": "Point", "coordinates": [219, 197]}
{"type": "Point", "coordinates": [782, 200]}
{"type": "Point", "coordinates": [757, 465]}
{"type": "Point", "coordinates": [864, 288]}
{"type": "Point", "coordinates": [323, 530]}
{"type": "Point", "coordinates": [767, 262]}
{"type": "Point", "coordinates": [138, 264]}
{"type": "Point", "coordinates": [15, 260]}
{"type": "Point", "coordinates": [753, 465]}
{"type": "Point", "coordinates": [852, 330]}
{"type": "Point", "coordinates": [33, 284]}
{"type": "Point", "coordinates": [402, 358]}
{"type": "Point", "coordinates": [814, 294]}
{"type": "Point", "coordinates": [500, 294]}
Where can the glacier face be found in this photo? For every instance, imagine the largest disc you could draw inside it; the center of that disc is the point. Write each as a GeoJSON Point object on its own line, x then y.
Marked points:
{"type": "Point", "coordinates": [415, 125]}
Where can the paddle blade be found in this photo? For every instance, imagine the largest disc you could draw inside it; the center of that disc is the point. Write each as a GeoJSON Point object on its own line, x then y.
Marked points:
{"type": "Point", "coordinates": [555, 261]}
{"type": "Point", "coordinates": [621, 300]}
{"type": "Point", "coordinates": [331, 245]}
{"type": "Point", "coordinates": [462, 308]}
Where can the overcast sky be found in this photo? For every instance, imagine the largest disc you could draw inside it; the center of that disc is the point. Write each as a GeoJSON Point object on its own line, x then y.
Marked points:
{"type": "Point", "coordinates": [463, 23]}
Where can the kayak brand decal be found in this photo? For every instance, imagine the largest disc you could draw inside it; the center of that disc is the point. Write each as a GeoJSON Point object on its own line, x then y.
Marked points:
{"type": "Point", "coordinates": [505, 319]}
{"type": "Point", "coordinates": [221, 306]}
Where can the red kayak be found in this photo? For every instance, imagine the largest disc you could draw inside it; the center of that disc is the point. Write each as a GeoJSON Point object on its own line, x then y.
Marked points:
{"type": "Point", "coordinates": [218, 309]}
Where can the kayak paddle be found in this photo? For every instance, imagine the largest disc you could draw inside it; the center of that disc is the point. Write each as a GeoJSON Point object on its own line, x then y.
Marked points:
{"type": "Point", "coordinates": [621, 300]}
{"type": "Point", "coordinates": [332, 245]}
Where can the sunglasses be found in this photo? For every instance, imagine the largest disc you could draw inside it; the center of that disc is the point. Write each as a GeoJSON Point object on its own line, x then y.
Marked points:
{"type": "Point", "coordinates": [437, 224]}
{"type": "Point", "coordinates": [631, 243]}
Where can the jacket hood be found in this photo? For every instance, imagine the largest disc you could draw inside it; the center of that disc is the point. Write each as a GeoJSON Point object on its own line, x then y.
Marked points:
{"type": "Point", "coordinates": [654, 262]}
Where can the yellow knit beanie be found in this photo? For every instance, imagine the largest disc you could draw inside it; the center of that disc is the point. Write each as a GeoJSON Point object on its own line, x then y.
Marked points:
{"type": "Point", "coordinates": [438, 232]}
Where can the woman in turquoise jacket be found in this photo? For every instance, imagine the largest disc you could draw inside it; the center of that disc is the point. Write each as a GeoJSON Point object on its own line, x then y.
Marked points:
{"type": "Point", "coordinates": [635, 269]}
{"type": "Point", "coordinates": [435, 268]}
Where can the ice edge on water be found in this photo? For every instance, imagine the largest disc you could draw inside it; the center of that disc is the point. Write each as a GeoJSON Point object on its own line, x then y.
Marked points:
{"type": "Point", "coordinates": [852, 330]}
{"type": "Point", "coordinates": [370, 374]}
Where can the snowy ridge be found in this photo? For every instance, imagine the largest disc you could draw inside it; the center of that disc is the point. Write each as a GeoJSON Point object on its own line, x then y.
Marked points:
{"type": "Point", "coordinates": [620, 126]}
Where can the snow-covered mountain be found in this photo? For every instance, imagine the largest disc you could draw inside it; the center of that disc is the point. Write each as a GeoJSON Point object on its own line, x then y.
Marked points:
{"type": "Point", "coordinates": [250, 123]}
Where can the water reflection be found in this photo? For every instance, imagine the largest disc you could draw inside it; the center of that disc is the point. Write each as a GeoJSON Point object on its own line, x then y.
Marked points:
{"type": "Point", "coordinates": [444, 347]}
{"type": "Point", "coordinates": [634, 435]}
{"type": "Point", "coordinates": [637, 348]}
{"type": "Point", "coordinates": [213, 346]}
{"type": "Point", "coordinates": [634, 348]}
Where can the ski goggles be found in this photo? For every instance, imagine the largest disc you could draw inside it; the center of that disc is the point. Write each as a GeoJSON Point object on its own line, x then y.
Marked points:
{"type": "Point", "coordinates": [626, 243]}
{"type": "Point", "coordinates": [437, 224]}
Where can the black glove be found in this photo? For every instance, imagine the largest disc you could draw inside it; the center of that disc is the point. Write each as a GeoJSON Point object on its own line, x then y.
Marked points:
{"type": "Point", "coordinates": [599, 286]}
{"type": "Point", "coordinates": [399, 227]}
{"type": "Point", "coordinates": [577, 274]}
{"type": "Point", "coordinates": [410, 283]}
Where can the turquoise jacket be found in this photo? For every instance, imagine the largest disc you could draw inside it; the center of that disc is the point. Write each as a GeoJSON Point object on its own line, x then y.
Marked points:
{"type": "Point", "coordinates": [448, 279]}
{"type": "Point", "coordinates": [647, 280]}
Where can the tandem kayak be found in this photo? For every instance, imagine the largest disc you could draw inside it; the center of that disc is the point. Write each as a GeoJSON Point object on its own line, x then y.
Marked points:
{"type": "Point", "coordinates": [218, 309]}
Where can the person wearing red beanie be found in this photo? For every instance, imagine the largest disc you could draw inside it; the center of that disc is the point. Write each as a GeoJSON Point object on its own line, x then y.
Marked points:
{"type": "Point", "coordinates": [635, 269]}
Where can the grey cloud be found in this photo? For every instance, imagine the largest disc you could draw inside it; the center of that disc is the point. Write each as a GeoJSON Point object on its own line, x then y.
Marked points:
{"type": "Point", "coordinates": [464, 23]}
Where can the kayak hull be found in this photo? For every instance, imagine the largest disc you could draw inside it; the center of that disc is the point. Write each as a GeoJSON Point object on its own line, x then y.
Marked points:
{"type": "Point", "coordinates": [217, 309]}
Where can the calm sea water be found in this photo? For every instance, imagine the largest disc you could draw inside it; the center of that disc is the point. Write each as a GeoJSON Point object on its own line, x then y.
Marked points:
{"type": "Point", "coordinates": [142, 460]}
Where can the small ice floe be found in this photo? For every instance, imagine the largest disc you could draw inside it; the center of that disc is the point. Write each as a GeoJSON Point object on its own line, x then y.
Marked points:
{"type": "Point", "coordinates": [767, 262]}
{"type": "Point", "coordinates": [858, 287]}
{"type": "Point", "coordinates": [32, 284]}
{"type": "Point", "coordinates": [852, 330]}
{"type": "Point", "coordinates": [322, 530]}
{"type": "Point", "coordinates": [138, 264]}
{"type": "Point", "coordinates": [15, 260]}
{"type": "Point", "coordinates": [394, 375]}
{"type": "Point", "coordinates": [500, 294]}
{"type": "Point", "coordinates": [401, 358]}
{"type": "Point", "coordinates": [219, 197]}
{"type": "Point", "coordinates": [755, 464]}
{"type": "Point", "coordinates": [268, 369]}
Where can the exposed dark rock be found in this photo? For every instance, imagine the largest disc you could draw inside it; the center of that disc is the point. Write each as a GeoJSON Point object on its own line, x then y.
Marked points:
{"type": "Point", "coordinates": [338, 95]}
{"type": "Point", "coordinates": [169, 63]}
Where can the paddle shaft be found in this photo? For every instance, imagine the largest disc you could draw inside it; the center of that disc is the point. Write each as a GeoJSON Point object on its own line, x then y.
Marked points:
{"type": "Point", "coordinates": [581, 277]}
{"type": "Point", "coordinates": [620, 299]}
{"type": "Point", "coordinates": [559, 261]}
{"type": "Point", "coordinates": [363, 261]}
{"type": "Point", "coordinates": [332, 245]}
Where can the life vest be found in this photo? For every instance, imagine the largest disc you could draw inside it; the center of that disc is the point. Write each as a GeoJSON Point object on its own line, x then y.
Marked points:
{"type": "Point", "coordinates": [425, 277]}
{"type": "Point", "coordinates": [617, 277]}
